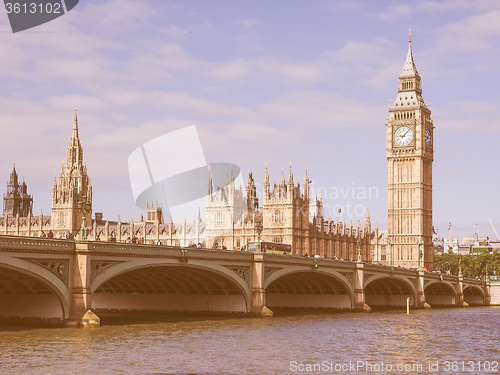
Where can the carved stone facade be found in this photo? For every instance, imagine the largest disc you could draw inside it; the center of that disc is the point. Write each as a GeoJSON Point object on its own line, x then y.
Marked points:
{"type": "Point", "coordinates": [410, 156]}
{"type": "Point", "coordinates": [288, 215]}
{"type": "Point", "coordinates": [73, 187]}
{"type": "Point", "coordinates": [17, 202]}
{"type": "Point", "coordinates": [232, 217]}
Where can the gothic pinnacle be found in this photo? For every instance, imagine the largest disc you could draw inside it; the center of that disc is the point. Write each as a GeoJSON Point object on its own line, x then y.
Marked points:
{"type": "Point", "coordinates": [409, 69]}
{"type": "Point", "coordinates": [75, 124]}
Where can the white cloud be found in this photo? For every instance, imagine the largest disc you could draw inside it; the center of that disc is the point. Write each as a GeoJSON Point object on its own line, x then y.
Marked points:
{"type": "Point", "coordinates": [366, 63]}
{"type": "Point", "coordinates": [468, 115]}
{"type": "Point", "coordinates": [231, 70]}
{"type": "Point", "coordinates": [396, 11]}
{"type": "Point", "coordinates": [433, 7]}
{"type": "Point", "coordinates": [340, 5]}
{"type": "Point", "coordinates": [297, 73]}
{"type": "Point", "coordinates": [192, 105]}
{"type": "Point", "coordinates": [110, 18]}
{"type": "Point", "coordinates": [249, 38]}
{"type": "Point", "coordinates": [172, 56]}
{"type": "Point", "coordinates": [319, 109]}
{"type": "Point", "coordinates": [248, 23]}
{"type": "Point", "coordinates": [478, 33]}
{"type": "Point", "coordinates": [175, 32]}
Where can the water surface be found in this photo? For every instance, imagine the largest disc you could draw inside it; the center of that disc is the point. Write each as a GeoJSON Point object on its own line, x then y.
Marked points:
{"type": "Point", "coordinates": [371, 342]}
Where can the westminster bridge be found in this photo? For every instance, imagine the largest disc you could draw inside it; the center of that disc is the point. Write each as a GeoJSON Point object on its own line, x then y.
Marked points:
{"type": "Point", "coordinates": [57, 281]}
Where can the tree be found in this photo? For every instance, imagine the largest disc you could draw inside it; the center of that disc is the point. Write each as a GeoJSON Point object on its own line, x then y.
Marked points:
{"type": "Point", "coordinates": [472, 265]}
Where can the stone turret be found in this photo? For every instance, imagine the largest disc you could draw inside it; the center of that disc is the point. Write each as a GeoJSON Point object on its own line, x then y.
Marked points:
{"type": "Point", "coordinates": [306, 186]}
{"type": "Point", "coordinates": [154, 213]}
{"type": "Point", "coordinates": [72, 191]}
{"type": "Point", "coordinates": [17, 201]}
{"type": "Point", "coordinates": [266, 186]}
{"type": "Point", "coordinates": [367, 227]}
{"type": "Point", "coordinates": [210, 187]}
{"type": "Point", "coordinates": [290, 188]}
{"type": "Point", "coordinates": [251, 194]}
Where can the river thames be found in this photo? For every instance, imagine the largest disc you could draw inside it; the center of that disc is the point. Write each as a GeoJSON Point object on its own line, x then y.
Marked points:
{"type": "Point", "coordinates": [444, 341]}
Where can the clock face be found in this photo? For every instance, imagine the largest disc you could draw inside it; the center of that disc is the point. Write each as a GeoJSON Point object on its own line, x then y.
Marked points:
{"type": "Point", "coordinates": [403, 136]}
{"type": "Point", "coordinates": [428, 137]}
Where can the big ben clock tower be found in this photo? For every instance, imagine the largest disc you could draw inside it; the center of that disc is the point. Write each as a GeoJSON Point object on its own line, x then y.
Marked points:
{"type": "Point", "coordinates": [409, 157]}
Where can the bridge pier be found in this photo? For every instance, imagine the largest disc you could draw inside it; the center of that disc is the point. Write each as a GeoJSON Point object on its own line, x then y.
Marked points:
{"type": "Point", "coordinates": [494, 293]}
{"type": "Point", "coordinates": [359, 288]}
{"type": "Point", "coordinates": [460, 291]}
{"type": "Point", "coordinates": [420, 302]}
{"type": "Point", "coordinates": [258, 303]}
{"type": "Point", "coordinates": [487, 293]}
{"type": "Point", "coordinates": [80, 297]}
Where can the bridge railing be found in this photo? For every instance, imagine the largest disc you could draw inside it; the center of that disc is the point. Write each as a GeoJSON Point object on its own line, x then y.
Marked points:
{"type": "Point", "coordinates": [34, 243]}
{"type": "Point", "coordinates": [118, 248]}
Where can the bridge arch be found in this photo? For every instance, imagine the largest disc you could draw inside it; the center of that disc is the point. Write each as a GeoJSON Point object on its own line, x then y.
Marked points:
{"type": "Point", "coordinates": [389, 291]}
{"type": "Point", "coordinates": [474, 295]}
{"type": "Point", "coordinates": [168, 285]}
{"type": "Point", "coordinates": [30, 291]}
{"type": "Point", "coordinates": [440, 293]}
{"type": "Point", "coordinates": [296, 287]}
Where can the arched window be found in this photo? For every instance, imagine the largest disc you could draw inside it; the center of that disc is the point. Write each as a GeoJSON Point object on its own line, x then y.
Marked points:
{"type": "Point", "coordinates": [277, 217]}
{"type": "Point", "coordinates": [220, 218]}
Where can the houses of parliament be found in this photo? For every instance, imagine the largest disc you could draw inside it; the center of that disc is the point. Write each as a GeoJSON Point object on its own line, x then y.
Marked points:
{"type": "Point", "coordinates": [287, 213]}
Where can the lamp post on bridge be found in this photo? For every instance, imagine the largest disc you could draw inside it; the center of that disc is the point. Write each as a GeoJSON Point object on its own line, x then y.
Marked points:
{"type": "Point", "coordinates": [84, 207]}
{"type": "Point", "coordinates": [420, 242]}
{"type": "Point", "coordinates": [258, 227]}
{"type": "Point", "coordinates": [360, 259]}
{"type": "Point", "coordinates": [389, 242]}
{"type": "Point", "coordinates": [231, 215]}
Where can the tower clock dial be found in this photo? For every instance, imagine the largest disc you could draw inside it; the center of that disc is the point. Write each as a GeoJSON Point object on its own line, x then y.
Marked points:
{"type": "Point", "coordinates": [428, 137]}
{"type": "Point", "coordinates": [403, 136]}
{"type": "Point", "coordinates": [409, 146]}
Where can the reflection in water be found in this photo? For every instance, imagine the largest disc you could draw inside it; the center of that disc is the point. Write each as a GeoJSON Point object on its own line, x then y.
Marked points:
{"type": "Point", "coordinates": [260, 346]}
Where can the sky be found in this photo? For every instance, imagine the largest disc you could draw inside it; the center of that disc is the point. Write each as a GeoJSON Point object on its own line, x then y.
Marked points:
{"type": "Point", "coordinates": [265, 83]}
